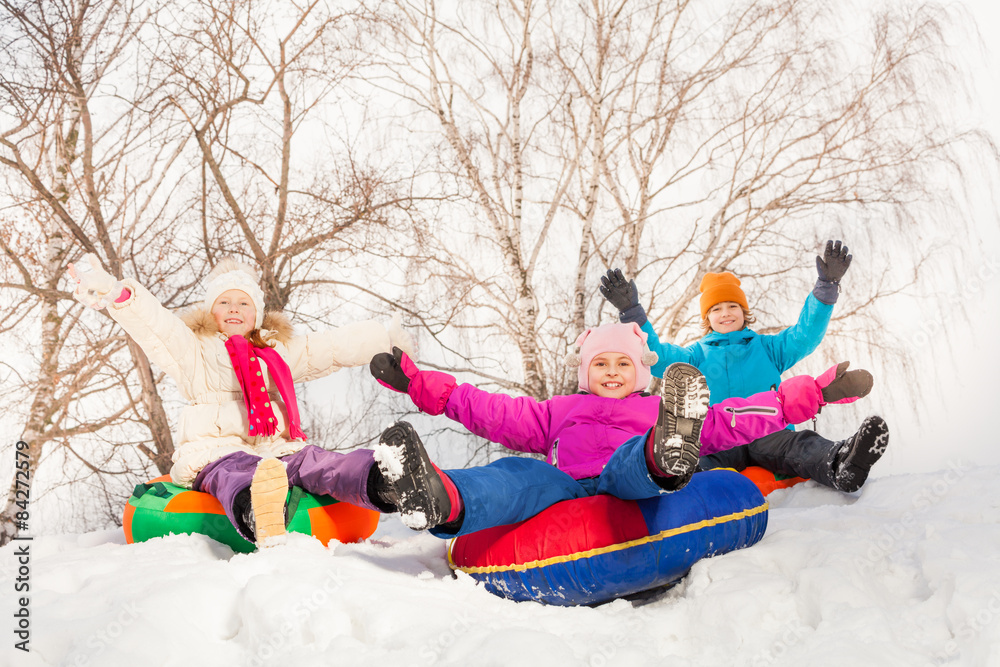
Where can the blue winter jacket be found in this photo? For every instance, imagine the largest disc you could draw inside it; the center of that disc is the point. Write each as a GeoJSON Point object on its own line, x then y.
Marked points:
{"type": "Point", "coordinates": [742, 363]}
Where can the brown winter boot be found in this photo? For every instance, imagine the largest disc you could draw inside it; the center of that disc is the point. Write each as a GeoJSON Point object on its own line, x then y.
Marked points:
{"type": "Point", "coordinates": [267, 501]}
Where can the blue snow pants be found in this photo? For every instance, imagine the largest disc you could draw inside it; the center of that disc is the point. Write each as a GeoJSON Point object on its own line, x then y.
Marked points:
{"type": "Point", "coordinates": [512, 489]}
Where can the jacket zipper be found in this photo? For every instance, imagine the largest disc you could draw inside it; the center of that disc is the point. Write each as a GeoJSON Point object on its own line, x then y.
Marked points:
{"type": "Point", "coordinates": [750, 410]}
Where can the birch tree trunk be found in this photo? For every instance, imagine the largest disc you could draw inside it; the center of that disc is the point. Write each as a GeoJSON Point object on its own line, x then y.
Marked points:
{"type": "Point", "coordinates": [65, 171]}
{"type": "Point", "coordinates": [43, 399]}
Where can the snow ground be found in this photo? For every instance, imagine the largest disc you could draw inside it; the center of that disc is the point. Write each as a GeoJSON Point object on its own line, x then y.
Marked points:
{"type": "Point", "coordinates": [907, 572]}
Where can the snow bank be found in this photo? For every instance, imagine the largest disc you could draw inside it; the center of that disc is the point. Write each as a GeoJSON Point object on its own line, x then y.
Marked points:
{"type": "Point", "coordinates": [906, 573]}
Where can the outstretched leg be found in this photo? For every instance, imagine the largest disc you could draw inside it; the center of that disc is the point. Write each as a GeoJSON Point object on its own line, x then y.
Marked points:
{"type": "Point", "coordinates": [457, 502]}
{"type": "Point", "coordinates": [343, 476]}
{"type": "Point", "coordinates": [792, 453]}
{"type": "Point", "coordinates": [506, 491]}
{"type": "Point", "coordinates": [842, 465]}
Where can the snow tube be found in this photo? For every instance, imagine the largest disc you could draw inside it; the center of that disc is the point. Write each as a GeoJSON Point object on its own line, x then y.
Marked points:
{"type": "Point", "coordinates": [768, 481]}
{"type": "Point", "coordinates": [599, 548]}
{"type": "Point", "coordinates": [162, 508]}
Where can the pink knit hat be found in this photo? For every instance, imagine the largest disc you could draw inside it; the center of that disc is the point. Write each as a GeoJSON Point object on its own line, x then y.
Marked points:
{"type": "Point", "coordinates": [627, 339]}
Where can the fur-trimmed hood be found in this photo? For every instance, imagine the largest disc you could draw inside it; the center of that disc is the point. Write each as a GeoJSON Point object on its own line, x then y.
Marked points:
{"type": "Point", "coordinates": [276, 325]}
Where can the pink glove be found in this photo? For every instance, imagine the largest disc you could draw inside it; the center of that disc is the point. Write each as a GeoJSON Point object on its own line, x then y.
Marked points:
{"type": "Point", "coordinates": [429, 390]}
{"type": "Point", "coordinates": [802, 397]}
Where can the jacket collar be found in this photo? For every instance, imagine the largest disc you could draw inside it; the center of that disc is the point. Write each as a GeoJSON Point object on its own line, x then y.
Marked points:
{"type": "Point", "coordinates": [741, 337]}
{"type": "Point", "coordinates": [276, 328]}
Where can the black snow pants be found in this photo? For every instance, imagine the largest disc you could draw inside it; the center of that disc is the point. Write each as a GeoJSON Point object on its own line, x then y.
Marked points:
{"type": "Point", "coordinates": [791, 453]}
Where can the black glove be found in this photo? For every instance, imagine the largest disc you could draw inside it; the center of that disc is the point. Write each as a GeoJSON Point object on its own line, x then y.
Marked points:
{"type": "Point", "coordinates": [845, 386]}
{"type": "Point", "coordinates": [834, 263]}
{"type": "Point", "coordinates": [624, 296]}
{"type": "Point", "coordinates": [388, 370]}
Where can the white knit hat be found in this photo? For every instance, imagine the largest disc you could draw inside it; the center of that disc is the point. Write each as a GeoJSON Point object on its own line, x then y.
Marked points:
{"type": "Point", "coordinates": [231, 274]}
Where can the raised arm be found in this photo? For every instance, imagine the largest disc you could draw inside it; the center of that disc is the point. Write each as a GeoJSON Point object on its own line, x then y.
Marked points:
{"type": "Point", "coordinates": [624, 295]}
{"type": "Point", "coordinates": [799, 340]}
{"type": "Point", "coordinates": [163, 336]}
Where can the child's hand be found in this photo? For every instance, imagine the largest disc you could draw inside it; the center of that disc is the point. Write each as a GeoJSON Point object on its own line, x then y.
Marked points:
{"type": "Point", "coordinates": [834, 263]}
{"type": "Point", "coordinates": [624, 296]}
{"type": "Point", "coordinates": [399, 338]}
{"type": "Point", "coordinates": [839, 385]}
{"type": "Point", "coordinates": [802, 397]}
{"type": "Point", "coordinates": [391, 370]}
{"type": "Point", "coordinates": [95, 287]}
{"type": "Point", "coordinates": [621, 294]}
{"type": "Point", "coordinates": [429, 390]}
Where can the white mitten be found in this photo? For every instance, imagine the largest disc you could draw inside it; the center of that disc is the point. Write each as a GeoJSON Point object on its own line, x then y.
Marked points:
{"type": "Point", "coordinates": [95, 287]}
{"type": "Point", "coordinates": [400, 338]}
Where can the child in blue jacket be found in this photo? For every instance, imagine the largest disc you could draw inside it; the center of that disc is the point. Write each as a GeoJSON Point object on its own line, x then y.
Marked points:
{"type": "Point", "coordinates": [738, 362]}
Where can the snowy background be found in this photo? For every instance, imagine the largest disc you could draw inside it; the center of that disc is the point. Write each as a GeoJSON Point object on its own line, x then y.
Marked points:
{"type": "Point", "coordinates": [907, 572]}
{"type": "Point", "coordinates": [963, 355]}
{"type": "Point", "coordinates": [906, 575]}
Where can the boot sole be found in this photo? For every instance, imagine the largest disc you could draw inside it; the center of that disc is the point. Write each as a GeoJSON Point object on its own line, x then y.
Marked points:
{"type": "Point", "coordinates": [867, 447]}
{"type": "Point", "coordinates": [404, 463]}
{"type": "Point", "coordinates": [683, 406]}
{"type": "Point", "coordinates": [268, 491]}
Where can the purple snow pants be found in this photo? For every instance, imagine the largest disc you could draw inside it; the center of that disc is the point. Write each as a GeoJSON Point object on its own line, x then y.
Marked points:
{"type": "Point", "coordinates": [316, 470]}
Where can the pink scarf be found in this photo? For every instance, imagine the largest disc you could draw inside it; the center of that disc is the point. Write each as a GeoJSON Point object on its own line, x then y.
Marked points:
{"type": "Point", "coordinates": [246, 363]}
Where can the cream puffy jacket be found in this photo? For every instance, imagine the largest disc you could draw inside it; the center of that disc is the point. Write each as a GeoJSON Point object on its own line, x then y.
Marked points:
{"type": "Point", "coordinates": [192, 351]}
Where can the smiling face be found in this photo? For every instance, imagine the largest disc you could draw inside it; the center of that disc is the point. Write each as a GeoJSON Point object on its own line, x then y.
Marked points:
{"type": "Point", "coordinates": [612, 375]}
{"type": "Point", "coordinates": [234, 313]}
{"type": "Point", "coordinates": [726, 317]}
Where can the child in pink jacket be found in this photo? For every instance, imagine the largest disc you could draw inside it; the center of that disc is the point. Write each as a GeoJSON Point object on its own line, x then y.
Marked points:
{"type": "Point", "coordinates": [611, 438]}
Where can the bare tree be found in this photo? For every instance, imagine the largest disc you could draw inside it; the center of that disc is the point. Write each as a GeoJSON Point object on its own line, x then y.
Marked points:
{"type": "Point", "coordinates": [801, 131]}
{"type": "Point", "coordinates": [477, 165]}
{"type": "Point", "coordinates": [83, 185]}
{"type": "Point", "coordinates": [478, 73]}
{"type": "Point", "coordinates": [673, 141]}
{"type": "Point", "coordinates": [75, 371]}
{"type": "Point", "coordinates": [255, 83]}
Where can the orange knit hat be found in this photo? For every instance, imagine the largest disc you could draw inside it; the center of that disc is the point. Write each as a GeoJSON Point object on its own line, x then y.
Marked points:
{"type": "Point", "coordinates": [718, 287]}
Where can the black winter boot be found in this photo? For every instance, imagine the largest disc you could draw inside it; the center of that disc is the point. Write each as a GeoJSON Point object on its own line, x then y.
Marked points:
{"type": "Point", "coordinates": [856, 455]}
{"type": "Point", "coordinates": [380, 492]}
{"type": "Point", "coordinates": [422, 497]}
{"type": "Point", "coordinates": [683, 406]}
